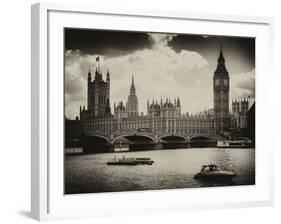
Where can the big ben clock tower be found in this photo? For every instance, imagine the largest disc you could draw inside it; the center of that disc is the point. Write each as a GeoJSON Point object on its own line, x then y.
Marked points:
{"type": "Point", "coordinates": [221, 95]}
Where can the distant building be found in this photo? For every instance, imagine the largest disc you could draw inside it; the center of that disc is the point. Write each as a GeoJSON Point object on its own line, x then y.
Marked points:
{"type": "Point", "coordinates": [239, 114]}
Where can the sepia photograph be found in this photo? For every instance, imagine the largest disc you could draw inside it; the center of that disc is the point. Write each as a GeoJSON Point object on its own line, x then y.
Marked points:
{"type": "Point", "coordinates": [153, 111]}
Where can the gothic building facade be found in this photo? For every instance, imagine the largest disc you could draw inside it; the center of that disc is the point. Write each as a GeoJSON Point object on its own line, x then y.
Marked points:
{"type": "Point", "coordinates": [239, 114]}
{"type": "Point", "coordinates": [166, 117]}
{"type": "Point", "coordinates": [162, 116]}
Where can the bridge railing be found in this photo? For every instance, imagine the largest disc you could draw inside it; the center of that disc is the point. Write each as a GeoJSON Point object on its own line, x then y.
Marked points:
{"type": "Point", "coordinates": [156, 137]}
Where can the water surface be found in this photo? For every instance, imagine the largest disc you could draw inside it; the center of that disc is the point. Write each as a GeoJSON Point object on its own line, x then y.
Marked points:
{"type": "Point", "coordinates": [171, 169]}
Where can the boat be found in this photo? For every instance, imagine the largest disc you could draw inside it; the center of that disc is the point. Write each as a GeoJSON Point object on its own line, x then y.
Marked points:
{"type": "Point", "coordinates": [147, 161]}
{"type": "Point", "coordinates": [212, 172]}
{"type": "Point", "coordinates": [234, 144]}
{"type": "Point", "coordinates": [130, 161]}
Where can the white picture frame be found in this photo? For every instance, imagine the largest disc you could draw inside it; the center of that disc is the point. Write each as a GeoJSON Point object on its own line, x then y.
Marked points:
{"type": "Point", "coordinates": [48, 201]}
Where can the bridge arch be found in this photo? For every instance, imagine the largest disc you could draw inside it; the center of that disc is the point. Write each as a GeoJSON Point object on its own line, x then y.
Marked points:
{"type": "Point", "coordinates": [97, 138]}
{"type": "Point", "coordinates": [199, 138]}
{"type": "Point", "coordinates": [172, 137]}
{"type": "Point", "coordinates": [135, 137]}
{"type": "Point", "coordinates": [95, 143]}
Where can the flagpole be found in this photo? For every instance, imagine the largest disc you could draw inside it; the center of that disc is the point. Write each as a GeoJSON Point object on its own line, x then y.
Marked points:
{"type": "Point", "coordinates": [98, 60]}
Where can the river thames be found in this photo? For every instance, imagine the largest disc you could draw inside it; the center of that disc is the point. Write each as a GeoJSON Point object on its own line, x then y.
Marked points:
{"type": "Point", "coordinates": [89, 173]}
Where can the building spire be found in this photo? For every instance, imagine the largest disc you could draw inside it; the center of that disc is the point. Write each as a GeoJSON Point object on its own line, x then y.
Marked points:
{"type": "Point", "coordinates": [221, 57]}
{"type": "Point", "coordinates": [133, 89]}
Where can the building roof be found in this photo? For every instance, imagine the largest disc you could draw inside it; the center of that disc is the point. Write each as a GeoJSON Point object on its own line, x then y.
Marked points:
{"type": "Point", "coordinates": [221, 69]}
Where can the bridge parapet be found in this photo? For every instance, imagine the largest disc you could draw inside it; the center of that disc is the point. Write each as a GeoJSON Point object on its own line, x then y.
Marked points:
{"type": "Point", "coordinates": [112, 137]}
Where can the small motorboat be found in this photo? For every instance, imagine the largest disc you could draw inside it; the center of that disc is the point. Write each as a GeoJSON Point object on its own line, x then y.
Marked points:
{"type": "Point", "coordinates": [212, 172]}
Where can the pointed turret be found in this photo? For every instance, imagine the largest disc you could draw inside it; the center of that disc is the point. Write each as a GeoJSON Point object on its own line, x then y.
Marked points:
{"type": "Point", "coordinates": [89, 75]}
{"type": "Point", "coordinates": [178, 102]}
{"type": "Point", "coordinates": [107, 76]}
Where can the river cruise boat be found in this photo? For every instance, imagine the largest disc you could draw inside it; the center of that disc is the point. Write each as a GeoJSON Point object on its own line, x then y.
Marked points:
{"type": "Point", "coordinates": [213, 173]}
{"type": "Point", "coordinates": [130, 161]}
{"type": "Point", "coordinates": [234, 144]}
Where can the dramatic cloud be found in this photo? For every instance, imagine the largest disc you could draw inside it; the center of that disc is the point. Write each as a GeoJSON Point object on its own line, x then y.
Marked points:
{"type": "Point", "coordinates": [159, 72]}
{"type": "Point", "coordinates": [104, 42]}
{"type": "Point", "coordinates": [243, 85]}
{"type": "Point", "coordinates": [160, 40]}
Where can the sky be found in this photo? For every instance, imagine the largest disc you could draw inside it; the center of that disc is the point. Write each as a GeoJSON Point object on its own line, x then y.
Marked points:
{"type": "Point", "coordinates": [163, 65]}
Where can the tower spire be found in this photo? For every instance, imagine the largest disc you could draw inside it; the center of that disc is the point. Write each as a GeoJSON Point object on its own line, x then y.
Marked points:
{"type": "Point", "coordinates": [133, 89]}
{"type": "Point", "coordinates": [221, 69]}
{"type": "Point", "coordinates": [221, 59]}
{"type": "Point", "coordinates": [132, 101]}
{"type": "Point", "coordinates": [133, 84]}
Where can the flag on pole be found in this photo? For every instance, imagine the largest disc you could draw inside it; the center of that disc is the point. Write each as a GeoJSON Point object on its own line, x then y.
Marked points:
{"type": "Point", "coordinates": [98, 59]}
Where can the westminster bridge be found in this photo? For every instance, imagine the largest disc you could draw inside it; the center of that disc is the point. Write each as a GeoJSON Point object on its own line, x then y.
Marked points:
{"type": "Point", "coordinates": [101, 142]}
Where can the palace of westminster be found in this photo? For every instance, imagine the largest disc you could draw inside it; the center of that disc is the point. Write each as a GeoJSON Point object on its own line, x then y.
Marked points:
{"type": "Point", "coordinates": [163, 116]}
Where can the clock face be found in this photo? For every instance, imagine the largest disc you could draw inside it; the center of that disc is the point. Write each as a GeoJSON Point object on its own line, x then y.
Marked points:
{"type": "Point", "coordinates": [217, 82]}
{"type": "Point", "coordinates": [225, 82]}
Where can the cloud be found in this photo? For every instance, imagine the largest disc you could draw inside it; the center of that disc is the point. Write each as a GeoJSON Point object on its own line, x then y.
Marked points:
{"type": "Point", "coordinates": [160, 39]}
{"type": "Point", "coordinates": [158, 72]}
{"type": "Point", "coordinates": [75, 91]}
{"type": "Point", "coordinates": [243, 85]}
